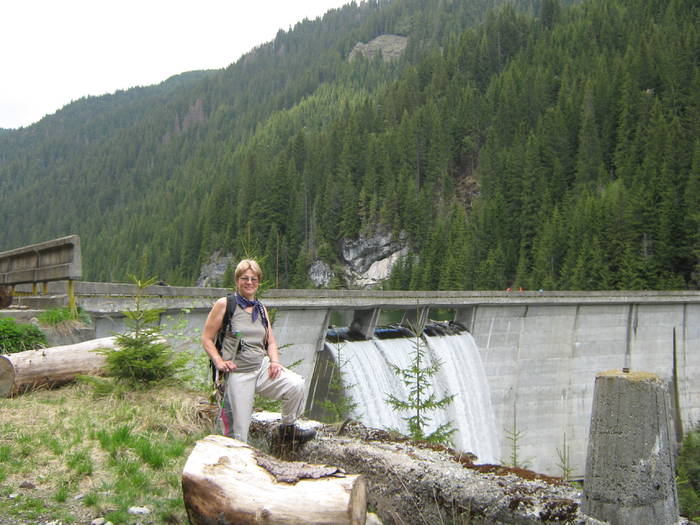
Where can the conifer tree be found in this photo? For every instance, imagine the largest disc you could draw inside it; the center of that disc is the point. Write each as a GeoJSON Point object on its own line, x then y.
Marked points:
{"type": "Point", "coordinates": [421, 402]}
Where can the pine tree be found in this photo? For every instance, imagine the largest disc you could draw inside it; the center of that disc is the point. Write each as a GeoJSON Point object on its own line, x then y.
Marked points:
{"type": "Point", "coordinates": [142, 358]}
{"type": "Point", "coordinates": [417, 378]}
{"type": "Point", "coordinates": [692, 218]}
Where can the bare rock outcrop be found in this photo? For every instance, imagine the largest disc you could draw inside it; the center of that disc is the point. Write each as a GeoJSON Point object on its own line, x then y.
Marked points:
{"type": "Point", "coordinates": [391, 47]}
{"type": "Point", "coordinates": [369, 258]}
{"type": "Point", "coordinates": [212, 273]}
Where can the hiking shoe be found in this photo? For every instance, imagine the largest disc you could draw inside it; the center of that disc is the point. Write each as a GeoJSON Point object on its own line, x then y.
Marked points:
{"type": "Point", "coordinates": [295, 435]}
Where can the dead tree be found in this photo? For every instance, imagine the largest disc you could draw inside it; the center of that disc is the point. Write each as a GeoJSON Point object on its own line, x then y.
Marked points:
{"type": "Point", "coordinates": [54, 366]}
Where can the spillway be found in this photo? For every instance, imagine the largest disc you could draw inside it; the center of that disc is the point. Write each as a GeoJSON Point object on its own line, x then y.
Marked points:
{"type": "Point", "coordinates": [369, 377]}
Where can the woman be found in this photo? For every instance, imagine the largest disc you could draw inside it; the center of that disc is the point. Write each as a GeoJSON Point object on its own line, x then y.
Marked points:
{"type": "Point", "coordinates": [249, 359]}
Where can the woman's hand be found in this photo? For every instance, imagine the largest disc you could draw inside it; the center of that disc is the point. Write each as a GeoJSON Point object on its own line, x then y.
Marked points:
{"type": "Point", "coordinates": [274, 369]}
{"type": "Point", "coordinates": [226, 366]}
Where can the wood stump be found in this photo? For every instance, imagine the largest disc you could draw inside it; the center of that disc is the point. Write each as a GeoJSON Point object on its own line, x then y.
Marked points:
{"type": "Point", "coordinates": [226, 481]}
{"type": "Point", "coordinates": [23, 371]}
{"type": "Point", "coordinates": [5, 297]}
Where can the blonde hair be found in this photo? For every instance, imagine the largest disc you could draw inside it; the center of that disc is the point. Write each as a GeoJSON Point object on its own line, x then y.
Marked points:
{"type": "Point", "coordinates": [248, 264]}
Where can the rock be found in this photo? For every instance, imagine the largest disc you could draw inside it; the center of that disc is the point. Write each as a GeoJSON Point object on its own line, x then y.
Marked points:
{"type": "Point", "coordinates": [27, 485]}
{"type": "Point", "coordinates": [139, 511]}
{"type": "Point", "coordinates": [13, 495]}
{"type": "Point", "coordinates": [369, 258]}
{"type": "Point", "coordinates": [320, 274]}
{"type": "Point", "coordinates": [379, 271]}
{"type": "Point", "coordinates": [391, 47]}
{"type": "Point", "coordinates": [212, 273]}
{"type": "Point", "coordinates": [98, 521]}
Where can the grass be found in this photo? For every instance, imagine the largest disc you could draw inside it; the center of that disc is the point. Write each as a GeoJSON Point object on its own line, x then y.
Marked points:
{"type": "Point", "coordinates": [68, 456]}
{"type": "Point", "coordinates": [63, 320]}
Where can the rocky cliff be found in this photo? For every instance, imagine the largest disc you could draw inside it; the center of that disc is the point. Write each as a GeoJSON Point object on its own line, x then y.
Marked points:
{"type": "Point", "coordinates": [390, 47]}
{"type": "Point", "coordinates": [365, 262]}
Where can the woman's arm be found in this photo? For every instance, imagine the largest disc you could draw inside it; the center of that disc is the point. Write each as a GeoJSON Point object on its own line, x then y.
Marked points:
{"type": "Point", "coordinates": [209, 333]}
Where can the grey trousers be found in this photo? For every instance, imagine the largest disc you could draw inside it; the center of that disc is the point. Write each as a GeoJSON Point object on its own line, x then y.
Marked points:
{"type": "Point", "coordinates": [241, 387]}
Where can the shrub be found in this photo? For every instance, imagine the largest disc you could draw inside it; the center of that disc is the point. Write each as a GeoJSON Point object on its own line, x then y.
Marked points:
{"type": "Point", "coordinates": [59, 316]}
{"type": "Point", "coordinates": [18, 337]}
{"type": "Point", "coordinates": [142, 356]}
{"type": "Point", "coordinates": [689, 476]}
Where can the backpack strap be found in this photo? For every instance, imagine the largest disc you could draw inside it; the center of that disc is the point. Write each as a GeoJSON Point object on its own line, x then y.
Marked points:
{"type": "Point", "coordinates": [226, 321]}
{"type": "Point", "coordinates": [230, 309]}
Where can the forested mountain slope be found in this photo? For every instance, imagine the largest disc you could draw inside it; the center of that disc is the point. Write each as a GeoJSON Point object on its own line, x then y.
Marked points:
{"type": "Point", "coordinates": [539, 144]}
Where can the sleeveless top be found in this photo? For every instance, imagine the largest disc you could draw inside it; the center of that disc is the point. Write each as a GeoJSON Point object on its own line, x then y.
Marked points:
{"type": "Point", "coordinates": [244, 342]}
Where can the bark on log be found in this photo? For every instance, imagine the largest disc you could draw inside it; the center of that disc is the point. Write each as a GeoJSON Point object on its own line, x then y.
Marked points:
{"type": "Point", "coordinates": [223, 483]}
{"type": "Point", "coordinates": [5, 297]}
{"type": "Point", "coordinates": [23, 371]}
{"type": "Point", "coordinates": [409, 484]}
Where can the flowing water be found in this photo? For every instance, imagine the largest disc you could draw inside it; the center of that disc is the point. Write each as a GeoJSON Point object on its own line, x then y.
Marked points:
{"type": "Point", "coordinates": [369, 378]}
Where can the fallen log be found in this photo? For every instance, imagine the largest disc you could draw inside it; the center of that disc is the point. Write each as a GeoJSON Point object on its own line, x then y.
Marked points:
{"type": "Point", "coordinates": [54, 366]}
{"type": "Point", "coordinates": [225, 481]}
{"type": "Point", "coordinates": [410, 484]}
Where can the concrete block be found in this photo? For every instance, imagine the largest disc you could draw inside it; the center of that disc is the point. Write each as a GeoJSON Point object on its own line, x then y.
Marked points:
{"type": "Point", "coordinates": [465, 316]}
{"type": "Point", "coordinates": [629, 466]}
{"type": "Point", "coordinates": [364, 322]}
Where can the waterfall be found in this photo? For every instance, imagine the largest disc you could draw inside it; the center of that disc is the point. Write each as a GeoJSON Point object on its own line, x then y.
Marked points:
{"type": "Point", "coordinates": [369, 378]}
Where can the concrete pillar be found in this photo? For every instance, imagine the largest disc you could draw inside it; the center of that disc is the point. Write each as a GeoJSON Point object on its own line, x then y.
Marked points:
{"type": "Point", "coordinates": [364, 322]}
{"type": "Point", "coordinates": [630, 465]}
{"type": "Point", "coordinates": [415, 318]}
{"type": "Point", "coordinates": [465, 316]}
{"type": "Point", "coordinates": [300, 335]}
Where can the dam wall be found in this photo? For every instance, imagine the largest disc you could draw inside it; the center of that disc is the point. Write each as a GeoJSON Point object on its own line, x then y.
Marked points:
{"type": "Point", "coordinates": [541, 351]}
{"type": "Point", "coordinates": [541, 363]}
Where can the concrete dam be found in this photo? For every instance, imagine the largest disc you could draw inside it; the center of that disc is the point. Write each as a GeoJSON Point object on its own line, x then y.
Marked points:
{"type": "Point", "coordinates": [539, 351]}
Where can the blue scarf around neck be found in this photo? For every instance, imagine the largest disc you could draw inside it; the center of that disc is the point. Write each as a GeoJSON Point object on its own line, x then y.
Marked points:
{"type": "Point", "coordinates": [257, 308]}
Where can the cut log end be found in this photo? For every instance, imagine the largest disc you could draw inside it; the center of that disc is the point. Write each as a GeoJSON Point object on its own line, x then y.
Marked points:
{"type": "Point", "coordinates": [223, 483]}
{"type": "Point", "coordinates": [7, 376]}
{"type": "Point", "coordinates": [358, 501]}
{"type": "Point", "coordinates": [5, 296]}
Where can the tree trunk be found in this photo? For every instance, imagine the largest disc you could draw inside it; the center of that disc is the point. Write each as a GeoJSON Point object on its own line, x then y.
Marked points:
{"type": "Point", "coordinates": [23, 371]}
{"type": "Point", "coordinates": [223, 482]}
{"type": "Point", "coordinates": [5, 296]}
{"type": "Point", "coordinates": [409, 484]}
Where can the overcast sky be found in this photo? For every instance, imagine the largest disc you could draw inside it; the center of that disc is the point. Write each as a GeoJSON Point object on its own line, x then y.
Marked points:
{"type": "Point", "coordinates": [56, 51]}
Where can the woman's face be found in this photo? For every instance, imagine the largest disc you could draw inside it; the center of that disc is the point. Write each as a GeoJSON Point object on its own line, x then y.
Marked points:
{"type": "Point", "coordinates": [248, 284]}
